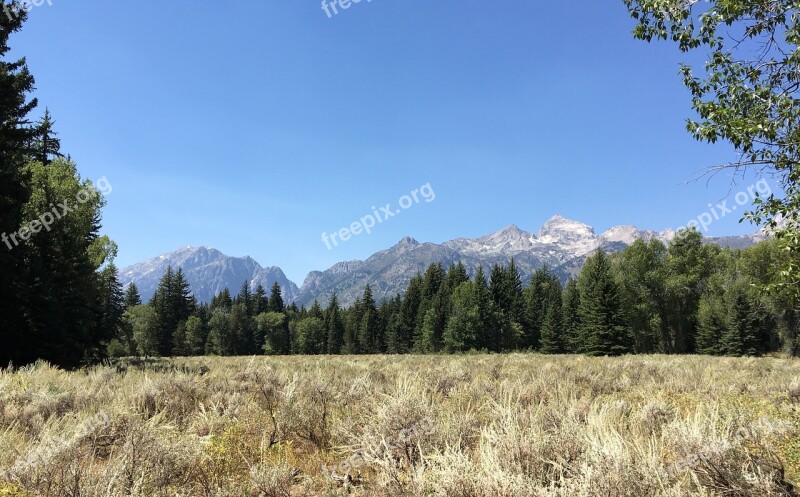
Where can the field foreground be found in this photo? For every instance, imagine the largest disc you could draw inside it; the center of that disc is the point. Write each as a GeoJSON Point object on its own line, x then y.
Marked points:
{"type": "Point", "coordinates": [466, 426]}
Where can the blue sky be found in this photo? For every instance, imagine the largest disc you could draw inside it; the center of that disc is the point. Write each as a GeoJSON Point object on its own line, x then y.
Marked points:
{"type": "Point", "coordinates": [255, 127]}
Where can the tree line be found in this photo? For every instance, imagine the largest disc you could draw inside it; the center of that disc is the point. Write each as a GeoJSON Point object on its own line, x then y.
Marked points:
{"type": "Point", "coordinates": [682, 298]}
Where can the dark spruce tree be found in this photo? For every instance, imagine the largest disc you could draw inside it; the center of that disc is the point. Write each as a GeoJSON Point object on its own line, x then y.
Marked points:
{"type": "Point", "coordinates": [432, 282]}
{"type": "Point", "coordinates": [132, 297]}
{"type": "Point", "coordinates": [352, 327]}
{"type": "Point", "coordinates": [456, 275]}
{"type": "Point", "coordinates": [260, 301]}
{"type": "Point", "coordinates": [602, 322]}
{"type": "Point", "coordinates": [490, 324]}
{"type": "Point", "coordinates": [246, 298]}
{"type": "Point", "coordinates": [571, 323]}
{"type": "Point", "coordinates": [552, 339]}
{"type": "Point", "coordinates": [19, 344]}
{"type": "Point", "coordinates": [221, 301]}
{"type": "Point", "coordinates": [369, 339]}
{"type": "Point", "coordinates": [276, 299]}
{"type": "Point", "coordinates": [111, 306]}
{"type": "Point", "coordinates": [315, 311]}
{"type": "Point", "coordinates": [462, 331]}
{"type": "Point", "coordinates": [535, 306]}
{"type": "Point", "coordinates": [173, 304]}
{"type": "Point", "coordinates": [712, 324]}
{"type": "Point", "coordinates": [401, 340]}
{"type": "Point", "coordinates": [741, 336]}
{"type": "Point", "coordinates": [334, 326]}
{"type": "Point", "coordinates": [46, 144]}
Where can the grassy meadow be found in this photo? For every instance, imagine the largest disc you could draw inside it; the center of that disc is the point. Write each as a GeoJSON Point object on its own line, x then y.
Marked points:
{"type": "Point", "coordinates": [463, 426]}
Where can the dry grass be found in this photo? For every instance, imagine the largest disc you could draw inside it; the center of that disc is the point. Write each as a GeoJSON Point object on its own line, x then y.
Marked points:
{"type": "Point", "coordinates": [467, 426]}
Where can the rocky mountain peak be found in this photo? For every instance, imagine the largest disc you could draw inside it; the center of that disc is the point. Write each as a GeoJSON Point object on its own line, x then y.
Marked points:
{"type": "Point", "coordinates": [560, 230]}
{"type": "Point", "coordinates": [408, 241]}
{"type": "Point", "coordinates": [626, 234]}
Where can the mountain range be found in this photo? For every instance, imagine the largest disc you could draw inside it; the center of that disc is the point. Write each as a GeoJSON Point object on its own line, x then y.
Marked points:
{"type": "Point", "coordinates": [208, 272]}
{"type": "Point", "coordinates": [562, 245]}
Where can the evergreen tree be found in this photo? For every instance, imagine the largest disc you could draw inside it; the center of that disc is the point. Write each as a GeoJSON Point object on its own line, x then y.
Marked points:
{"type": "Point", "coordinates": [432, 282]}
{"type": "Point", "coordinates": [173, 303]}
{"type": "Point", "coordinates": [46, 144]}
{"type": "Point", "coordinates": [19, 343]}
{"type": "Point", "coordinates": [515, 306]}
{"type": "Point", "coordinates": [401, 341]}
{"type": "Point", "coordinates": [713, 314]}
{"type": "Point", "coordinates": [573, 342]}
{"type": "Point", "coordinates": [602, 322]}
{"type": "Point", "coordinates": [369, 341]}
{"type": "Point", "coordinates": [132, 297]}
{"type": "Point", "coordinates": [334, 326]}
{"type": "Point", "coordinates": [162, 305]}
{"type": "Point", "coordinates": [260, 301]}
{"type": "Point", "coordinates": [712, 324]}
{"type": "Point", "coordinates": [276, 299]}
{"type": "Point", "coordinates": [741, 336]}
{"type": "Point", "coordinates": [393, 325]}
{"type": "Point", "coordinates": [316, 310]}
{"type": "Point", "coordinates": [352, 326]}
{"type": "Point", "coordinates": [111, 305]}
{"type": "Point", "coordinates": [535, 306]}
{"type": "Point", "coordinates": [456, 275]}
{"type": "Point", "coordinates": [222, 301]}
{"type": "Point", "coordinates": [490, 324]}
{"type": "Point", "coordinates": [506, 288]}
{"type": "Point", "coordinates": [553, 340]}
{"type": "Point", "coordinates": [246, 298]}
{"type": "Point", "coordinates": [183, 300]}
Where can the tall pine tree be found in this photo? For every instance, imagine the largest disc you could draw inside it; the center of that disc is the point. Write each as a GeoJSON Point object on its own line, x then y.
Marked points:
{"type": "Point", "coordinates": [602, 322]}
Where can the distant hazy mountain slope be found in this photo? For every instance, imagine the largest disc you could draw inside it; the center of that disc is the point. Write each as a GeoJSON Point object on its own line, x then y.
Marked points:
{"type": "Point", "coordinates": [208, 271]}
